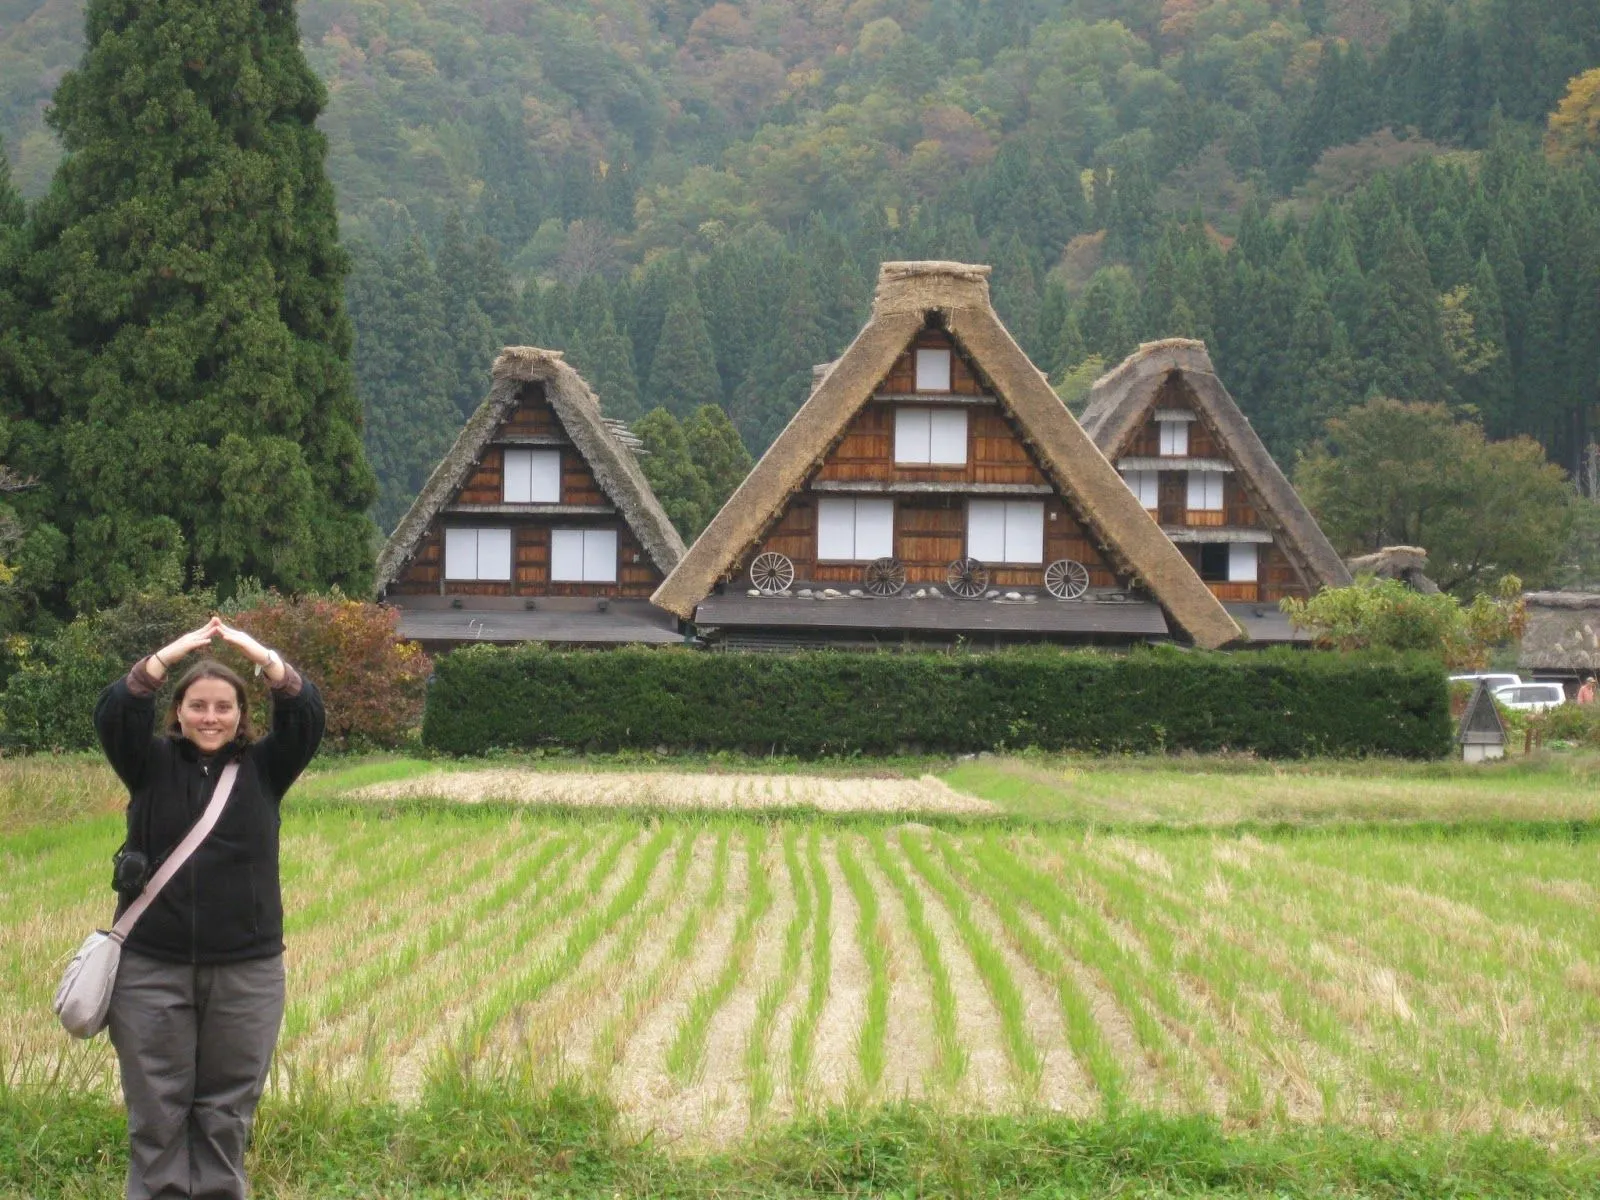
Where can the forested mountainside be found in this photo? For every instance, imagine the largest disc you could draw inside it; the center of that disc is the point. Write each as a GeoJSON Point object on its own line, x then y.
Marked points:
{"type": "Point", "coordinates": [1342, 196]}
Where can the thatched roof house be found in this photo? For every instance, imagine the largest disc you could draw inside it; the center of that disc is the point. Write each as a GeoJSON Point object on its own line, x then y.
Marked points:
{"type": "Point", "coordinates": [933, 460]}
{"type": "Point", "coordinates": [537, 525]}
{"type": "Point", "coordinates": [1190, 455]}
{"type": "Point", "coordinates": [1562, 639]}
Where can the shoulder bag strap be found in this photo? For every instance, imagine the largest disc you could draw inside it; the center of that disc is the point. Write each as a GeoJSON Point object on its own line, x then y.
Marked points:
{"type": "Point", "coordinates": [191, 842]}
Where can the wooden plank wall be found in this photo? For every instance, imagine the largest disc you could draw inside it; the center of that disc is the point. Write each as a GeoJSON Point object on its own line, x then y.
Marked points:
{"type": "Point", "coordinates": [637, 575]}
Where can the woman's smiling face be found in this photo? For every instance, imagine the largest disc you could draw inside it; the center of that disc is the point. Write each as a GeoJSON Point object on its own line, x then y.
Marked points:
{"type": "Point", "coordinates": [209, 714]}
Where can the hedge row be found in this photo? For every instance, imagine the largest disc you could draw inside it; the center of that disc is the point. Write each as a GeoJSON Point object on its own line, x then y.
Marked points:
{"type": "Point", "coordinates": [1279, 704]}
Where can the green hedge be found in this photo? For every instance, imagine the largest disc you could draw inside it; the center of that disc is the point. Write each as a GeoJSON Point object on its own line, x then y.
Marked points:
{"type": "Point", "coordinates": [1279, 704]}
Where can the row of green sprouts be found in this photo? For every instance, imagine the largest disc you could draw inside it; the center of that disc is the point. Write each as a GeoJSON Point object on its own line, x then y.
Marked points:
{"type": "Point", "coordinates": [714, 975]}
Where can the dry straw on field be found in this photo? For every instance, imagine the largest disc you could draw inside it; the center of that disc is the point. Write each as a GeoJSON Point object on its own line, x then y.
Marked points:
{"type": "Point", "coordinates": [662, 790]}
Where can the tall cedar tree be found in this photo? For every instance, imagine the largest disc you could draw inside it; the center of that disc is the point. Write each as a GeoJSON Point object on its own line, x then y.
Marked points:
{"type": "Point", "coordinates": [403, 367]}
{"type": "Point", "coordinates": [471, 339]}
{"type": "Point", "coordinates": [683, 369]}
{"type": "Point", "coordinates": [678, 483]}
{"type": "Point", "coordinates": [715, 447]}
{"type": "Point", "coordinates": [205, 403]}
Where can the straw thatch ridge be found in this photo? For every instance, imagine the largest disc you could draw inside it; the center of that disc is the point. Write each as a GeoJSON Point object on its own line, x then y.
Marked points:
{"type": "Point", "coordinates": [1120, 400]}
{"type": "Point", "coordinates": [906, 293]}
{"type": "Point", "coordinates": [613, 463]}
{"type": "Point", "coordinates": [1563, 632]}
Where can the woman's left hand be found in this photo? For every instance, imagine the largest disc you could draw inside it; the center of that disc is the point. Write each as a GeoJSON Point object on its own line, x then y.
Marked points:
{"type": "Point", "coordinates": [254, 651]}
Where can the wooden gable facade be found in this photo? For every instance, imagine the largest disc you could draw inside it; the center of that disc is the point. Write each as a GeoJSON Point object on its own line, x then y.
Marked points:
{"type": "Point", "coordinates": [930, 505]}
{"type": "Point", "coordinates": [537, 525]}
{"type": "Point", "coordinates": [1190, 456]}
{"type": "Point", "coordinates": [933, 488]}
{"type": "Point", "coordinates": [1204, 502]}
{"type": "Point", "coordinates": [485, 502]}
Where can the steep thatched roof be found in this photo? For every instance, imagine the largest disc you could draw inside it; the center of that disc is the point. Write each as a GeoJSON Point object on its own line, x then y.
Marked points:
{"type": "Point", "coordinates": [1563, 632]}
{"type": "Point", "coordinates": [1120, 400]}
{"type": "Point", "coordinates": [596, 437]}
{"type": "Point", "coordinates": [908, 293]}
{"type": "Point", "coordinates": [1408, 564]}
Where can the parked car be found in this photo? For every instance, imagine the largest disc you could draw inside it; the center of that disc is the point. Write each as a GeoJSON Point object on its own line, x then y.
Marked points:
{"type": "Point", "coordinates": [1494, 680]}
{"type": "Point", "coordinates": [1531, 697]}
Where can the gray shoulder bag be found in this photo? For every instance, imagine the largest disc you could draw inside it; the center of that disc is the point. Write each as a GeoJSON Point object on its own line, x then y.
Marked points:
{"type": "Point", "coordinates": [83, 1001]}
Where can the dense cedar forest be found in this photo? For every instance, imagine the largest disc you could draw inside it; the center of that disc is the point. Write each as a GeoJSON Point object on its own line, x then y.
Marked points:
{"type": "Point", "coordinates": [1344, 198]}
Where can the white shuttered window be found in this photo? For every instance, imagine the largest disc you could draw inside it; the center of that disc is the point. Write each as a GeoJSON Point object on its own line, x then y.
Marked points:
{"type": "Point", "coordinates": [1146, 485]}
{"type": "Point", "coordinates": [533, 477]}
{"type": "Point", "coordinates": [477, 554]}
{"type": "Point", "coordinates": [854, 530]}
{"type": "Point", "coordinates": [1205, 491]}
{"type": "Point", "coordinates": [1174, 438]}
{"type": "Point", "coordinates": [933, 370]}
{"type": "Point", "coordinates": [930, 435]}
{"type": "Point", "coordinates": [1005, 531]}
{"type": "Point", "coordinates": [1242, 563]}
{"type": "Point", "coordinates": [583, 555]}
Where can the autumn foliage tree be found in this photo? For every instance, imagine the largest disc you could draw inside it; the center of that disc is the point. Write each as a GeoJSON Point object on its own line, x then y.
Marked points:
{"type": "Point", "coordinates": [373, 684]}
{"type": "Point", "coordinates": [1575, 125]}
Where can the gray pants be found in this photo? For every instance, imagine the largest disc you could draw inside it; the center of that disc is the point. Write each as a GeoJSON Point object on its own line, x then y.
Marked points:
{"type": "Point", "coordinates": [194, 1044]}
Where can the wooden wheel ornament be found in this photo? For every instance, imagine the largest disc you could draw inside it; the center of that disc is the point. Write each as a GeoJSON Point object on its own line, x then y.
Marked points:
{"type": "Point", "coordinates": [771, 573]}
{"type": "Point", "coordinates": [1066, 579]}
{"type": "Point", "coordinates": [884, 577]}
{"type": "Point", "coordinates": [967, 578]}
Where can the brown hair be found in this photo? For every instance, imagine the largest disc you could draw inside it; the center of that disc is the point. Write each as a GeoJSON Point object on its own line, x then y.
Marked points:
{"type": "Point", "coordinates": [210, 668]}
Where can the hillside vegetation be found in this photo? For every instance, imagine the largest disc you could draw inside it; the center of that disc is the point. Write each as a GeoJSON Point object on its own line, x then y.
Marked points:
{"type": "Point", "coordinates": [1342, 196]}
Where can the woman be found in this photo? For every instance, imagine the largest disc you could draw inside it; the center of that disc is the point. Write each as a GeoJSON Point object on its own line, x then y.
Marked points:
{"type": "Point", "coordinates": [199, 994]}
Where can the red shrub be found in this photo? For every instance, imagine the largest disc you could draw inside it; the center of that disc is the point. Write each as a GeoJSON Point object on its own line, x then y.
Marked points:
{"type": "Point", "coordinates": [373, 683]}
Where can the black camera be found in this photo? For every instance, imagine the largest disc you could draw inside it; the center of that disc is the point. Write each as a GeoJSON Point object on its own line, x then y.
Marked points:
{"type": "Point", "coordinates": [130, 871]}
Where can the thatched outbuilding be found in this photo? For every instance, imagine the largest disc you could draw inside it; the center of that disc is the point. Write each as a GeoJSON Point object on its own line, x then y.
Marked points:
{"type": "Point", "coordinates": [1198, 467]}
{"type": "Point", "coordinates": [1562, 638]}
{"type": "Point", "coordinates": [537, 525]}
{"type": "Point", "coordinates": [1408, 564]}
{"type": "Point", "coordinates": [933, 487]}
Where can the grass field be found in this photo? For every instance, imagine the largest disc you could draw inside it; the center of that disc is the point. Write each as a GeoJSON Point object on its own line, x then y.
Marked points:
{"type": "Point", "coordinates": [1333, 952]}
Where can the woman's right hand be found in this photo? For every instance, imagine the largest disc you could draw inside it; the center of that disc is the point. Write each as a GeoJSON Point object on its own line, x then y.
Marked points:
{"type": "Point", "coordinates": [164, 659]}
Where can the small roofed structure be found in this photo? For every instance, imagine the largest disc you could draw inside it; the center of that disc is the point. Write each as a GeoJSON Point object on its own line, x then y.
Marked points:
{"type": "Point", "coordinates": [537, 525]}
{"type": "Point", "coordinates": [933, 488]}
{"type": "Point", "coordinates": [1562, 637]}
{"type": "Point", "coordinates": [1408, 564]}
{"type": "Point", "coordinates": [1482, 734]}
{"type": "Point", "coordinates": [1189, 454]}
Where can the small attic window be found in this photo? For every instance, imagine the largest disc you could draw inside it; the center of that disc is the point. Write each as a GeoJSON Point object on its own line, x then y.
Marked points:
{"type": "Point", "coordinates": [1174, 438]}
{"type": "Point", "coordinates": [933, 370]}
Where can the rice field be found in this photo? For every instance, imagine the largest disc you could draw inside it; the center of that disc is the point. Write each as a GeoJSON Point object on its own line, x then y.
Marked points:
{"type": "Point", "coordinates": [717, 974]}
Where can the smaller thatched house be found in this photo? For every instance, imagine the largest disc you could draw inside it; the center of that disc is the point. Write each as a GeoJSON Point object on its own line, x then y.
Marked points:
{"type": "Point", "coordinates": [934, 489]}
{"type": "Point", "coordinates": [538, 525]}
{"type": "Point", "coordinates": [1562, 639]}
{"type": "Point", "coordinates": [1194, 462]}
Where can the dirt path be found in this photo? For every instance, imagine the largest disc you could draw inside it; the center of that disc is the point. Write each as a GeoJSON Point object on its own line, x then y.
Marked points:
{"type": "Point", "coordinates": [833, 1060]}
{"type": "Point", "coordinates": [671, 790]}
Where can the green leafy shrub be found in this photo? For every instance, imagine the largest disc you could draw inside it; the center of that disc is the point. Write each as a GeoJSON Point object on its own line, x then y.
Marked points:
{"type": "Point", "coordinates": [1279, 704]}
{"type": "Point", "coordinates": [1386, 614]}
{"type": "Point", "coordinates": [49, 699]}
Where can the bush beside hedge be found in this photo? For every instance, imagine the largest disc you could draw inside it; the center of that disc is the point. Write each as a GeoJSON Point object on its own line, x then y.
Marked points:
{"type": "Point", "coordinates": [1279, 704]}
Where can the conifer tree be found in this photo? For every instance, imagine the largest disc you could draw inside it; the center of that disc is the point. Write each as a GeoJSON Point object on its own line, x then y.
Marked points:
{"type": "Point", "coordinates": [1016, 293]}
{"type": "Point", "coordinates": [715, 447]}
{"type": "Point", "coordinates": [605, 356]}
{"type": "Point", "coordinates": [662, 279]}
{"type": "Point", "coordinates": [471, 341]}
{"type": "Point", "coordinates": [683, 369]}
{"type": "Point", "coordinates": [207, 408]}
{"type": "Point", "coordinates": [780, 378]}
{"type": "Point", "coordinates": [1489, 389]}
{"type": "Point", "coordinates": [677, 482]}
{"type": "Point", "coordinates": [1539, 381]}
{"type": "Point", "coordinates": [12, 210]}
{"type": "Point", "coordinates": [403, 368]}
{"type": "Point", "coordinates": [1401, 340]}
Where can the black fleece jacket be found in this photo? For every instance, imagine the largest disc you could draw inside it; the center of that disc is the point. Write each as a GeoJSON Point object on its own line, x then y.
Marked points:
{"type": "Point", "coordinates": [224, 905]}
